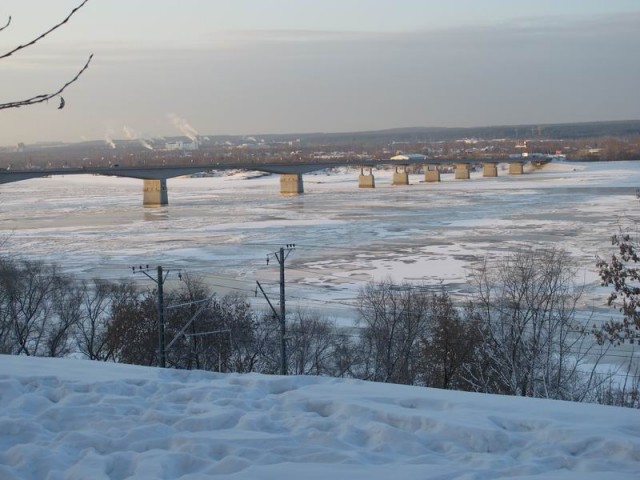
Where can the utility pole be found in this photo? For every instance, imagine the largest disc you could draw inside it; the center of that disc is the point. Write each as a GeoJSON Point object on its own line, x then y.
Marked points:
{"type": "Point", "coordinates": [280, 256]}
{"type": "Point", "coordinates": [159, 280]}
{"type": "Point", "coordinates": [283, 325]}
{"type": "Point", "coordinates": [161, 351]}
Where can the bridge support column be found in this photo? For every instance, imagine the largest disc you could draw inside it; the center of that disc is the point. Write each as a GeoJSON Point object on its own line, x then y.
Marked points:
{"type": "Point", "coordinates": [400, 177]}
{"type": "Point", "coordinates": [431, 173]}
{"type": "Point", "coordinates": [462, 171]}
{"type": "Point", "coordinates": [155, 193]}
{"type": "Point", "coordinates": [516, 168]}
{"type": "Point", "coordinates": [291, 184]}
{"type": "Point", "coordinates": [366, 181]}
{"type": "Point", "coordinates": [489, 170]}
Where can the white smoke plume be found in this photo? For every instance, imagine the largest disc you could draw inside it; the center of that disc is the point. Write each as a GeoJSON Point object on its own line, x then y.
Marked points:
{"type": "Point", "coordinates": [131, 134]}
{"type": "Point", "coordinates": [145, 144]}
{"type": "Point", "coordinates": [183, 126]}
{"type": "Point", "coordinates": [108, 140]}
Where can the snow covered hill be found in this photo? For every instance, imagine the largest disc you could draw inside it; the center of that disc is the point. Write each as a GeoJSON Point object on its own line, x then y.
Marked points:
{"type": "Point", "coordinates": [75, 419]}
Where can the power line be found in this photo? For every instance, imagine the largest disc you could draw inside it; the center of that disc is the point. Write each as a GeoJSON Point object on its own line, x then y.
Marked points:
{"type": "Point", "coordinates": [280, 256]}
{"type": "Point", "coordinates": [159, 280]}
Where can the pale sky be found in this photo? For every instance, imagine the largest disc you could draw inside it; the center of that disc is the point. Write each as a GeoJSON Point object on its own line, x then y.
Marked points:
{"type": "Point", "coordinates": [284, 66]}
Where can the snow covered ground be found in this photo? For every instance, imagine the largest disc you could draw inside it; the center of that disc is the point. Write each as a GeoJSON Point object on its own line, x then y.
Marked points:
{"type": "Point", "coordinates": [76, 419]}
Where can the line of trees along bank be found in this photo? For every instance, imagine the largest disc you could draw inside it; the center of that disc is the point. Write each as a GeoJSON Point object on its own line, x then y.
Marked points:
{"type": "Point", "coordinates": [518, 334]}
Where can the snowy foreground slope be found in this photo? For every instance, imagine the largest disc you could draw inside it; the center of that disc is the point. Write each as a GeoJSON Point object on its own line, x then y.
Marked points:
{"type": "Point", "coordinates": [74, 419]}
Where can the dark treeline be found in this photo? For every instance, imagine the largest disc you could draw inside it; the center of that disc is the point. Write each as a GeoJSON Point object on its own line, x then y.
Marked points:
{"type": "Point", "coordinates": [517, 334]}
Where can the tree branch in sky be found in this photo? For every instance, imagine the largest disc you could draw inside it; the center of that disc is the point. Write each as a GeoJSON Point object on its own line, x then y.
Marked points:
{"type": "Point", "coordinates": [45, 96]}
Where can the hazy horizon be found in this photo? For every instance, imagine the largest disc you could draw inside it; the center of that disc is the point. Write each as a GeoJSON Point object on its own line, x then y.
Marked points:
{"type": "Point", "coordinates": [186, 134]}
{"type": "Point", "coordinates": [285, 66]}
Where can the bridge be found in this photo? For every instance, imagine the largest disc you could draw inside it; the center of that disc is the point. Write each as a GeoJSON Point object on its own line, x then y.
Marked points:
{"type": "Point", "coordinates": [155, 174]}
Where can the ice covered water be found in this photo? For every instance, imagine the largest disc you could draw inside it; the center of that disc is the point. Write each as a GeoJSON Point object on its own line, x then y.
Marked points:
{"type": "Point", "coordinates": [222, 228]}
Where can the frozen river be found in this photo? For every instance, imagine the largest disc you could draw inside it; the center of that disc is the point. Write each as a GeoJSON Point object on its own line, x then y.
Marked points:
{"type": "Point", "coordinates": [222, 228]}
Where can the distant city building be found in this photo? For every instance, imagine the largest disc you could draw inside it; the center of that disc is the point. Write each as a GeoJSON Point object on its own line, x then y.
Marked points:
{"type": "Point", "coordinates": [181, 146]}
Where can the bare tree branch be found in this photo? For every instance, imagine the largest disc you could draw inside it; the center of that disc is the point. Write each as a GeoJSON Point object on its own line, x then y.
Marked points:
{"type": "Point", "coordinates": [46, 96]}
{"type": "Point", "coordinates": [7, 24]}
{"type": "Point", "coordinates": [35, 40]}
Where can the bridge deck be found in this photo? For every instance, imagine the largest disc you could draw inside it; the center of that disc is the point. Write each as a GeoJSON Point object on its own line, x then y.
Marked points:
{"type": "Point", "coordinates": [165, 171]}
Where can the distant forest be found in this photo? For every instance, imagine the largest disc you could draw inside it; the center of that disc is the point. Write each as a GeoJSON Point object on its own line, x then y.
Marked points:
{"type": "Point", "coordinates": [433, 134]}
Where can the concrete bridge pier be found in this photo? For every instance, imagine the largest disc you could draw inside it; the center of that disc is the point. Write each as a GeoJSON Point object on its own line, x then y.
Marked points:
{"type": "Point", "coordinates": [431, 173]}
{"type": "Point", "coordinates": [400, 177]}
{"type": "Point", "coordinates": [366, 181]}
{"type": "Point", "coordinates": [489, 170]}
{"type": "Point", "coordinates": [462, 171]}
{"type": "Point", "coordinates": [291, 184]}
{"type": "Point", "coordinates": [516, 168]}
{"type": "Point", "coordinates": [155, 193]}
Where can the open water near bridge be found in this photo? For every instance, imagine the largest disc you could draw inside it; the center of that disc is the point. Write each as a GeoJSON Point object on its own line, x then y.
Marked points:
{"type": "Point", "coordinates": [222, 228]}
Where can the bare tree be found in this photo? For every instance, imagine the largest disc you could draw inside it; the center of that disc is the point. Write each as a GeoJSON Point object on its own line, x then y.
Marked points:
{"type": "Point", "coordinates": [450, 346]}
{"type": "Point", "coordinates": [43, 97]}
{"type": "Point", "coordinates": [8, 275]}
{"type": "Point", "coordinates": [394, 319]}
{"type": "Point", "coordinates": [264, 346]}
{"type": "Point", "coordinates": [346, 353]}
{"type": "Point", "coordinates": [27, 288]}
{"type": "Point", "coordinates": [311, 344]}
{"type": "Point", "coordinates": [210, 333]}
{"type": "Point", "coordinates": [132, 332]}
{"type": "Point", "coordinates": [623, 390]}
{"type": "Point", "coordinates": [201, 331]}
{"type": "Point", "coordinates": [66, 301]}
{"type": "Point", "coordinates": [189, 316]}
{"type": "Point", "coordinates": [533, 344]}
{"type": "Point", "coordinates": [98, 298]}
{"type": "Point", "coordinates": [38, 309]}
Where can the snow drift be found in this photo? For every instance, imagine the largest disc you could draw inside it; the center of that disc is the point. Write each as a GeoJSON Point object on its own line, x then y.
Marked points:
{"type": "Point", "coordinates": [75, 419]}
